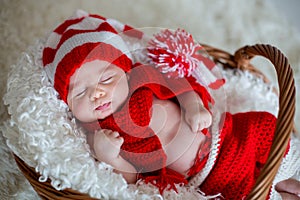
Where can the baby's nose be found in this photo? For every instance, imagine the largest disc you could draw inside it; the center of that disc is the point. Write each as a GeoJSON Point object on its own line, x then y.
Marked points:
{"type": "Point", "coordinates": [98, 93]}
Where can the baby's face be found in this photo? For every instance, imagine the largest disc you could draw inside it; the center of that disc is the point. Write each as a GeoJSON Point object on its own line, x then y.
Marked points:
{"type": "Point", "coordinates": [97, 89]}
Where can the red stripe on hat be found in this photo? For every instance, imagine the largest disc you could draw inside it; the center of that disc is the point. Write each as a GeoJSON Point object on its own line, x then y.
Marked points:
{"type": "Point", "coordinates": [107, 52]}
{"type": "Point", "coordinates": [128, 30]}
{"type": "Point", "coordinates": [217, 84]}
{"type": "Point", "coordinates": [82, 54]}
{"type": "Point", "coordinates": [71, 32]}
{"type": "Point", "coordinates": [106, 27]}
{"type": "Point", "coordinates": [67, 67]}
{"type": "Point", "coordinates": [49, 53]}
{"type": "Point", "coordinates": [97, 16]}
{"type": "Point", "coordinates": [62, 28]}
{"type": "Point", "coordinates": [206, 61]}
{"type": "Point", "coordinates": [132, 32]}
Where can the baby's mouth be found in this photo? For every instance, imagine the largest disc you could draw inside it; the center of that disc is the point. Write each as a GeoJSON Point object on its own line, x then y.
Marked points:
{"type": "Point", "coordinates": [103, 106]}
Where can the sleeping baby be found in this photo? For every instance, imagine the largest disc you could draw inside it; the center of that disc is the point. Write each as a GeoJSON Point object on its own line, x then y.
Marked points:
{"type": "Point", "coordinates": [148, 120]}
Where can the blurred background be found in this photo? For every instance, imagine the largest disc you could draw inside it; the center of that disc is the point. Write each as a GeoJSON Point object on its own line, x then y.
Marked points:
{"type": "Point", "coordinates": [290, 10]}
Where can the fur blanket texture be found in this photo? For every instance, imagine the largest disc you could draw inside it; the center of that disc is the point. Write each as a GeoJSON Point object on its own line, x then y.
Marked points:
{"type": "Point", "coordinates": [29, 103]}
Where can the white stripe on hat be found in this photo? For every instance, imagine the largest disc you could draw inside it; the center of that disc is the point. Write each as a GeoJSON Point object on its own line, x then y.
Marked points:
{"type": "Point", "coordinates": [88, 23]}
{"type": "Point", "coordinates": [118, 26]}
{"type": "Point", "coordinates": [53, 40]}
{"type": "Point", "coordinates": [79, 39]}
{"type": "Point", "coordinates": [78, 14]}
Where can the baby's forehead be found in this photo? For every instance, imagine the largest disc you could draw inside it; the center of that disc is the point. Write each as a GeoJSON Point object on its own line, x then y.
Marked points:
{"type": "Point", "coordinates": [95, 68]}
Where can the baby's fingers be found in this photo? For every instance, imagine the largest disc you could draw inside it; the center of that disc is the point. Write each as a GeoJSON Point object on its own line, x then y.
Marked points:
{"type": "Point", "coordinates": [110, 133]}
{"type": "Point", "coordinates": [114, 134]}
{"type": "Point", "coordinates": [194, 126]}
{"type": "Point", "coordinates": [116, 138]}
{"type": "Point", "coordinates": [197, 124]}
{"type": "Point", "coordinates": [205, 123]}
{"type": "Point", "coordinates": [103, 131]}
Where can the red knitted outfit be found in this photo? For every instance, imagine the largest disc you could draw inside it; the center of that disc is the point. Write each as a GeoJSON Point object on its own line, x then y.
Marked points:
{"type": "Point", "coordinates": [245, 142]}
{"type": "Point", "coordinates": [141, 145]}
{"type": "Point", "coordinates": [246, 139]}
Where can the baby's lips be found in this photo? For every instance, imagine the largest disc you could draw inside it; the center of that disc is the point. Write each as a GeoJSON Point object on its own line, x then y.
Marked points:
{"type": "Point", "coordinates": [103, 106]}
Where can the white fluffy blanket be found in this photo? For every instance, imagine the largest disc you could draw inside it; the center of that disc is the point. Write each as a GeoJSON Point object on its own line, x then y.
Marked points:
{"type": "Point", "coordinates": [33, 104]}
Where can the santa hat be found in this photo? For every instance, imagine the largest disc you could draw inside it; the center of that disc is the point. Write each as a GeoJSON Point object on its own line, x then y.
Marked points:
{"type": "Point", "coordinates": [83, 38]}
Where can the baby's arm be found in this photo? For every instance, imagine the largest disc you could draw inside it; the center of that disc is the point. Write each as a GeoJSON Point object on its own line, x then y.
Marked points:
{"type": "Point", "coordinates": [196, 115]}
{"type": "Point", "coordinates": [106, 146]}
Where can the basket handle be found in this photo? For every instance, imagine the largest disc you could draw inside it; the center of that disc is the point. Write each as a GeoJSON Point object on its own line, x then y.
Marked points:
{"type": "Point", "coordinates": [284, 124]}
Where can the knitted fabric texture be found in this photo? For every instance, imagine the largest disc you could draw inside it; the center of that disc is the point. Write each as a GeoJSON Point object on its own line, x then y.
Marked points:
{"type": "Point", "coordinates": [141, 145]}
{"type": "Point", "coordinates": [246, 139]}
{"type": "Point", "coordinates": [83, 38]}
{"type": "Point", "coordinates": [86, 37]}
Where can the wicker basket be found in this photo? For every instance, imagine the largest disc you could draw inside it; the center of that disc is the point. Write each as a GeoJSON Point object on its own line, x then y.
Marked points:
{"type": "Point", "coordinates": [240, 60]}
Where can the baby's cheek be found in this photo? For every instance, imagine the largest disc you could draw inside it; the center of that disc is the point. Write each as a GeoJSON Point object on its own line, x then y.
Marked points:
{"type": "Point", "coordinates": [80, 110]}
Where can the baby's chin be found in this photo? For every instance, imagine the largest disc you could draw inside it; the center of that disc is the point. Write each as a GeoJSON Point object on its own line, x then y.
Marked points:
{"type": "Point", "coordinates": [100, 115]}
{"type": "Point", "coordinates": [104, 113]}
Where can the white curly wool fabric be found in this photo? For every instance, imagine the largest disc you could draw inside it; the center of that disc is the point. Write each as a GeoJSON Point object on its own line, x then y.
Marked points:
{"type": "Point", "coordinates": [50, 142]}
{"type": "Point", "coordinates": [37, 127]}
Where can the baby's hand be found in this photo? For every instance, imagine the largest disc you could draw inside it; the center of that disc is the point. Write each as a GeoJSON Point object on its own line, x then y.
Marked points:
{"type": "Point", "coordinates": [198, 118]}
{"type": "Point", "coordinates": [107, 144]}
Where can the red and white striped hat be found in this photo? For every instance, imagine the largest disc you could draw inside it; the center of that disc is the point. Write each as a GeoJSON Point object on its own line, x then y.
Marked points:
{"type": "Point", "coordinates": [85, 37]}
